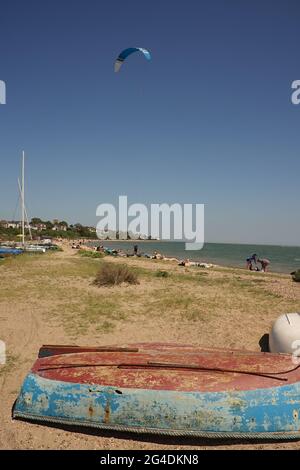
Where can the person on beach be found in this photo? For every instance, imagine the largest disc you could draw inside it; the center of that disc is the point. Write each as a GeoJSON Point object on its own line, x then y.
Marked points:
{"type": "Point", "coordinates": [166, 258]}
{"type": "Point", "coordinates": [121, 253]}
{"type": "Point", "coordinates": [157, 255]}
{"type": "Point", "coordinates": [249, 264]}
{"type": "Point", "coordinates": [249, 261]}
{"type": "Point", "coordinates": [264, 264]}
{"type": "Point", "coordinates": [135, 250]}
{"type": "Point", "coordinates": [185, 262]}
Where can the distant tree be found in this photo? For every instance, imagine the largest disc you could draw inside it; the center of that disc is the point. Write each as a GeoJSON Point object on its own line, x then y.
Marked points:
{"type": "Point", "coordinates": [49, 225]}
{"type": "Point", "coordinates": [36, 221]}
{"type": "Point", "coordinates": [64, 223]}
{"type": "Point", "coordinates": [82, 231]}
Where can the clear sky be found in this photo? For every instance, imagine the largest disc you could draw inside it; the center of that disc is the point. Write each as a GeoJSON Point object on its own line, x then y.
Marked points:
{"type": "Point", "coordinates": [208, 120]}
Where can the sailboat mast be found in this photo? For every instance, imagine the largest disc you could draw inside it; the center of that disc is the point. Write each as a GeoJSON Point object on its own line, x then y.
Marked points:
{"type": "Point", "coordinates": [23, 198]}
{"type": "Point", "coordinates": [26, 215]}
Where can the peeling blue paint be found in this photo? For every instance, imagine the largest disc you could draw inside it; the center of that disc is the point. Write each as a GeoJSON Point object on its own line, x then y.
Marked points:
{"type": "Point", "coordinates": [272, 410]}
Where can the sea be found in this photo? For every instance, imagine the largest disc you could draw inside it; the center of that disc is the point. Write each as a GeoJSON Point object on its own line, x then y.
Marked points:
{"type": "Point", "coordinates": [283, 259]}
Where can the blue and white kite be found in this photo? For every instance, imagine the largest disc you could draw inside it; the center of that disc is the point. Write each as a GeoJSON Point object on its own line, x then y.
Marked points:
{"type": "Point", "coordinates": [124, 54]}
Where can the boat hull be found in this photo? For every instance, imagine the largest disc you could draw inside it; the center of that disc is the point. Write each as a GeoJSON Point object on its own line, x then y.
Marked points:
{"type": "Point", "coordinates": [271, 413]}
{"type": "Point", "coordinates": [10, 251]}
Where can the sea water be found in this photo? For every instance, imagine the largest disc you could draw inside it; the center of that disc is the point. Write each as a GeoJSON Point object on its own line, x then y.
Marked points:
{"type": "Point", "coordinates": [283, 258]}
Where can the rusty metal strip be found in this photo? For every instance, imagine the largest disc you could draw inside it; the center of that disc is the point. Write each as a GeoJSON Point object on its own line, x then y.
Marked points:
{"type": "Point", "coordinates": [214, 369]}
{"type": "Point", "coordinates": [151, 365]}
{"type": "Point", "coordinates": [195, 366]}
{"type": "Point", "coordinates": [91, 348]}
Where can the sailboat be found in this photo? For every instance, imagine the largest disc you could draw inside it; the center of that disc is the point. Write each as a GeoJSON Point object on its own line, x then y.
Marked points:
{"type": "Point", "coordinates": [25, 246]}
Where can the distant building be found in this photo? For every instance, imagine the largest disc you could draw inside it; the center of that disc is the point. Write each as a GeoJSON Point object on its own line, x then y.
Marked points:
{"type": "Point", "coordinates": [39, 227]}
{"type": "Point", "coordinates": [12, 224]}
{"type": "Point", "coordinates": [60, 227]}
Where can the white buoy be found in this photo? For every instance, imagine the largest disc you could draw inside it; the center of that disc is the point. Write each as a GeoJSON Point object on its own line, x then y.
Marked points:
{"type": "Point", "coordinates": [285, 334]}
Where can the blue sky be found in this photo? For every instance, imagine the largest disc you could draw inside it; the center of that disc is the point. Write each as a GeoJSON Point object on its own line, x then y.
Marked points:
{"type": "Point", "coordinates": [208, 120]}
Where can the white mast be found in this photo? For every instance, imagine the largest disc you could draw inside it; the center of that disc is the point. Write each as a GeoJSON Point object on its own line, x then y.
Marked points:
{"type": "Point", "coordinates": [23, 198]}
{"type": "Point", "coordinates": [26, 215]}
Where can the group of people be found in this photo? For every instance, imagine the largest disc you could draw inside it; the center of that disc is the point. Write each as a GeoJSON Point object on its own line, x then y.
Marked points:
{"type": "Point", "coordinates": [155, 255]}
{"type": "Point", "coordinates": [251, 263]}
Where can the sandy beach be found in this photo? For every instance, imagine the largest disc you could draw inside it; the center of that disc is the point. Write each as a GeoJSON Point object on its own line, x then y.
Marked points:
{"type": "Point", "coordinates": [48, 299]}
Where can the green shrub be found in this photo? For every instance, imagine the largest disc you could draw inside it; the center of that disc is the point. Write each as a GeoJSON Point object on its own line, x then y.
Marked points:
{"type": "Point", "coordinates": [162, 274]}
{"type": "Point", "coordinates": [91, 254]}
{"type": "Point", "coordinates": [115, 274]}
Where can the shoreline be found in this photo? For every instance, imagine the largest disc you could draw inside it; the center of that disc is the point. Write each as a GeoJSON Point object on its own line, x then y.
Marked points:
{"type": "Point", "coordinates": [283, 259]}
{"type": "Point", "coordinates": [227, 256]}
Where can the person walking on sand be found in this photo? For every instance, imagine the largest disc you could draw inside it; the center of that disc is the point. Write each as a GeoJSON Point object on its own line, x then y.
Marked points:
{"type": "Point", "coordinates": [264, 264]}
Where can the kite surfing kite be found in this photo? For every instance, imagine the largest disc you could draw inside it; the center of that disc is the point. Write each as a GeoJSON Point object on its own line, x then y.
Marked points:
{"type": "Point", "coordinates": [124, 54]}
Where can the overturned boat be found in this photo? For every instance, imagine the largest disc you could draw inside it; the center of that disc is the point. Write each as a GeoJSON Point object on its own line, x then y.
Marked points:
{"type": "Point", "coordinates": [165, 389]}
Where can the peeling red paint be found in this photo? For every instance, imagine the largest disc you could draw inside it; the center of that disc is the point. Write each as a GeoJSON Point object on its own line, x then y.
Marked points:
{"type": "Point", "coordinates": [181, 367]}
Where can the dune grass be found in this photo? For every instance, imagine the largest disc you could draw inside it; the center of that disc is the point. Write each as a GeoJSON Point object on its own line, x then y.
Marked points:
{"type": "Point", "coordinates": [115, 275]}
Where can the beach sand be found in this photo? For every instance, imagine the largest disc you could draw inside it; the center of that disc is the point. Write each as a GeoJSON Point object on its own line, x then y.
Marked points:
{"type": "Point", "coordinates": [48, 299]}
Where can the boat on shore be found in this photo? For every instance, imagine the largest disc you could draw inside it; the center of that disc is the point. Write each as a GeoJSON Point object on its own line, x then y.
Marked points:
{"type": "Point", "coordinates": [8, 251]}
{"type": "Point", "coordinates": [166, 390]}
{"type": "Point", "coordinates": [34, 249]}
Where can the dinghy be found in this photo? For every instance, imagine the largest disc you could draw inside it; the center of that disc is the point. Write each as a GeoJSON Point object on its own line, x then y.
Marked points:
{"type": "Point", "coordinates": [9, 251]}
{"type": "Point", "coordinates": [34, 249]}
{"type": "Point", "coordinates": [164, 389]}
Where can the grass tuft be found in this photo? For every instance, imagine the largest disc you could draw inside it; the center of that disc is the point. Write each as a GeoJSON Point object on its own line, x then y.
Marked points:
{"type": "Point", "coordinates": [115, 274]}
{"type": "Point", "coordinates": [91, 254]}
{"type": "Point", "coordinates": [162, 274]}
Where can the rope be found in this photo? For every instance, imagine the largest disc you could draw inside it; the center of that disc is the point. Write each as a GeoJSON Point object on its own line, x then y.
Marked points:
{"type": "Point", "coordinates": [164, 432]}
